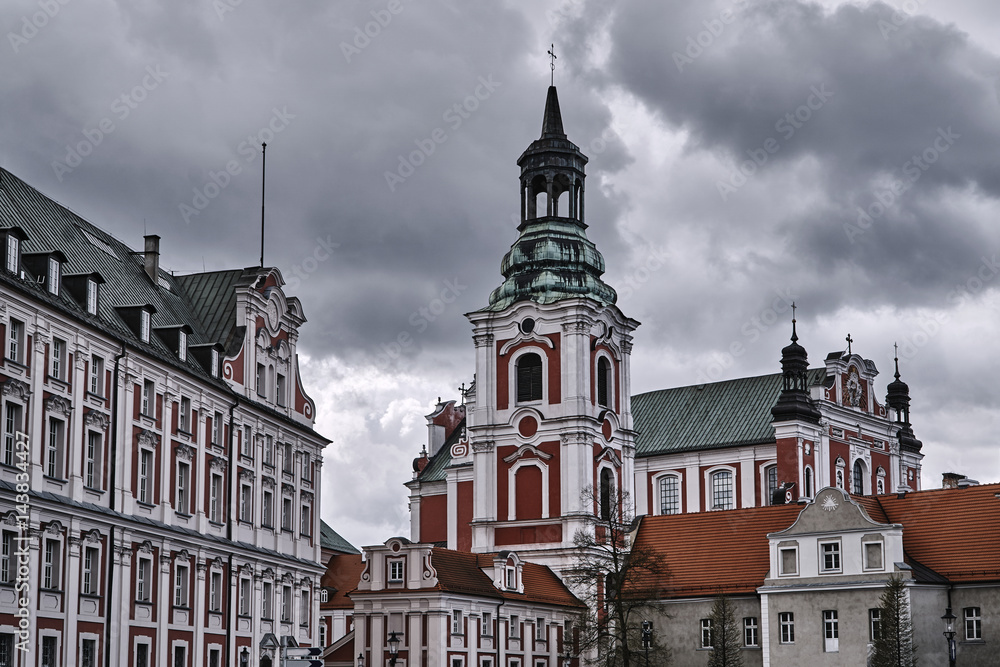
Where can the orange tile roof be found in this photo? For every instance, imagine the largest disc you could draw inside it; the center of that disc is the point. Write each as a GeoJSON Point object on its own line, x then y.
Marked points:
{"type": "Point", "coordinates": [343, 572]}
{"type": "Point", "coordinates": [955, 532]}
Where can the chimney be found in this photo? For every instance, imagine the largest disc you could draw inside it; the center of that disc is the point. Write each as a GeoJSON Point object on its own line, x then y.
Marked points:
{"type": "Point", "coordinates": [950, 480]}
{"type": "Point", "coordinates": [151, 258]}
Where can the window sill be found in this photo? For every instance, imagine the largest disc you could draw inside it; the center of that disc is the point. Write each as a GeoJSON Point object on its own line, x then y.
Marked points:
{"type": "Point", "coordinates": [58, 381]}
{"type": "Point", "coordinates": [180, 607]}
{"type": "Point", "coordinates": [184, 432]}
{"type": "Point", "coordinates": [92, 596]}
{"type": "Point", "coordinates": [972, 642]}
{"type": "Point", "coordinates": [99, 397]}
{"type": "Point", "coordinates": [93, 489]}
{"type": "Point", "coordinates": [59, 480]}
{"type": "Point", "coordinates": [183, 515]}
{"type": "Point", "coordinates": [145, 504]}
{"type": "Point", "coordinates": [217, 524]}
{"type": "Point", "coordinates": [143, 603]}
{"type": "Point", "coordinates": [15, 363]}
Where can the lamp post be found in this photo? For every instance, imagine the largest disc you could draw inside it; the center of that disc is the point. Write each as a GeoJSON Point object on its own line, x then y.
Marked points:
{"type": "Point", "coordinates": [647, 637]}
{"type": "Point", "coordinates": [361, 660]}
{"type": "Point", "coordinates": [949, 634]}
{"type": "Point", "coordinates": [567, 658]}
{"type": "Point", "coordinates": [245, 657]}
{"type": "Point", "coordinates": [393, 643]}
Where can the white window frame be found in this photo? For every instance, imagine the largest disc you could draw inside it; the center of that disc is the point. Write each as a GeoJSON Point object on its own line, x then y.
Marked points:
{"type": "Point", "coordinates": [486, 624]}
{"type": "Point", "coordinates": [182, 345]}
{"type": "Point", "coordinates": [305, 607]}
{"type": "Point", "coordinates": [182, 648]}
{"type": "Point", "coordinates": [874, 621]}
{"type": "Point", "coordinates": [707, 640]}
{"type": "Point", "coordinates": [184, 415]}
{"type": "Point", "coordinates": [8, 556]}
{"type": "Point", "coordinates": [144, 321]}
{"type": "Point", "coordinates": [148, 405]}
{"type": "Point", "coordinates": [831, 631]}
{"type": "Point", "coordinates": [93, 477]}
{"type": "Point", "coordinates": [53, 276]}
{"type": "Point", "coordinates": [838, 553]}
{"type": "Point", "coordinates": [540, 635]}
{"type": "Point", "coordinates": [514, 626]}
{"type": "Point", "coordinates": [15, 341]}
{"type": "Point", "coordinates": [52, 563]}
{"type": "Point", "coordinates": [268, 454]}
{"type": "Point", "coordinates": [96, 381]}
{"type": "Point", "coordinates": [215, 363]}
{"type": "Point", "coordinates": [457, 627]}
{"type": "Point", "coordinates": [182, 584]}
{"type": "Point", "coordinates": [751, 632]}
{"type": "Point", "coordinates": [261, 380]}
{"type": "Point", "coordinates": [306, 465]}
{"type": "Point", "coordinates": [287, 458]}
{"type": "Point", "coordinates": [808, 482]}
{"type": "Point", "coordinates": [781, 561]}
{"type": "Point", "coordinates": [245, 593]}
{"type": "Point", "coordinates": [512, 486]}
{"type": "Point", "coordinates": [58, 352]}
{"type": "Point", "coordinates": [92, 296]}
{"type": "Point", "coordinates": [866, 478]}
{"type": "Point", "coordinates": [973, 617]}
{"type": "Point", "coordinates": [287, 513]}
{"type": "Point", "coordinates": [512, 376]}
{"type": "Point", "coordinates": [216, 490]}
{"type": "Point", "coordinates": [246, 503]}
{"type": "Point", "coordinates": [143, 584]}
{"type": "Point", "coordinates": [13, 246]}
{"type": "Point", "coordinates": [765, 483]}
{"type": "Point", "coordinates": [147, 479]}
{"type": "Point", "coordinates": [658, 495]}
{"type": "Point", "coordinates": [94, 640]}
{"type": "Point", "coordinates": [44, 635]}
{"type": "Point", "coordinates": [90, 558]}
{"type": "Point", "coordinates": [182, 496]}
{"type": "Point", "coordinates": [267, 601]}
{"type": "Point", "coordinates": [786, 627]}
{"type": "Point", "coordinates": [710, 490]}
{"type": "Point", "coordinates": [267, 508]}
{"type": "Point", "coordinates": [145, 644]}
{"type": "Point", "coordinates": [280, 387]}
{"type": "Point", "coordinates": [13, 423]}
{"type": "Point", "coordinates": [217, 425]}
{"type": "Point", "coordinates": [286, 604]}
{"type": "Point", "coordinates": [215, 577]}
{"type": "Point", "coordinates": [394, 565]}
{"type": "Point", "coordinates": [55, 448]}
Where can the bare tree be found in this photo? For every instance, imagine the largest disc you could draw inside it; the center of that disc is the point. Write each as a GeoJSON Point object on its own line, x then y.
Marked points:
{"type": "Point", "coordinates": [725, 635]}
{"type": "Point", "coordinates": [622, 585]}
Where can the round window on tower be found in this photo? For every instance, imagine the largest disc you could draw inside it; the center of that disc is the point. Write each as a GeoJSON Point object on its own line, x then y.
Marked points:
{"type": "Point", "coordinates": [527, 325]}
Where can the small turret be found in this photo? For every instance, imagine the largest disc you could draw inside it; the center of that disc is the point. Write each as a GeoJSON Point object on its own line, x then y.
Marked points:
{"type": "Point", "coordinates": [795, 402]}
{"type": "Point", "coordinates": [898, 398]}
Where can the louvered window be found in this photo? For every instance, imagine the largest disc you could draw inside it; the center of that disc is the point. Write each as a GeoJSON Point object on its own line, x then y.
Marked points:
{"type": "Point", "coordinates": [529, 378]}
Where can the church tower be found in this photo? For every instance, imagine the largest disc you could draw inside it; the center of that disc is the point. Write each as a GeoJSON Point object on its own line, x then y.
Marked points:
{"type": "Point", "coordinates": [549, 414]}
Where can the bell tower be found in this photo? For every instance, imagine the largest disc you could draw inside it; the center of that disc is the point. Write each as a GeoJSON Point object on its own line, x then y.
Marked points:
{"type": "Point", "coordinates": [549, 415]}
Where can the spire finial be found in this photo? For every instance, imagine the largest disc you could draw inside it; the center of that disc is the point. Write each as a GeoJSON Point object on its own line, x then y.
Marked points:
{"type": "Point", "coordinates": [795, 336]}
{"type": "Point", "coordinates": [895, 356]}
{"type": "Point", "coordinates": [552, 63]}
{"type": "Point", "coordinates": [849, 341]}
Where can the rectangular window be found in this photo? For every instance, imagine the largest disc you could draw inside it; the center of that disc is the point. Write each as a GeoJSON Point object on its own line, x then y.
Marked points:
{"type": "Point", "coordinates": [92, 462]}
{"type": "Point", "coordinates": [182, 345]}
{"type": "Point", "coordinates": [57, 362]}
{"type": "Point", "coordinates": [456, 622]}
{"type": "Point", "coordinates": [217, 429]}
{"type": "Point", "coordinates": [148, 396]}
{"type": "Point", "coordinates": [874, 624]}
{"type": "Point", "coordinates": [973, 624]}
{"type": "Point", "coordinates": [246, 503]}
{"type": "Point", "coordinates": [145, 476]}
{"type": "Point", "coordinates": [873, 555]}
{"type": "Point", "coordinates": [246, 445]}
{"type": "Point", "coordinates": [267, 509]}
{"type": "Point", "coordinates": [8, 562]}
{"type": "Point", "coordinates": [180, 585]}
{"type": "Point", "coordinates": [180, 656]}
{"type": "Point", "coordinates": [91, 570]}
{"type": "Point", "coordinates": [540, 629]}
{"type": "Point", "coordinates": [215, 500]}
{"type": "Point", "coordinates": [214, 657]}
{"type": "Point", "coordinates": [722, 490]}
{"type": "Point", "coordinates": [286, 604]}
{"type": "Point", "coordinates": [751, 632]}
{"type": "Point", "coordinates": [487, 626]}
{"type": "Point", "coordinates": [53, 279]}
{"type": "Point", "coordinates": [92, 297]}
{"type": "Point", "coordinates": [515, 627]}
{"type": "Point", "coordinates": [670, 497]}
{"type": "Point", "coordinates": [215, 363]}
{"type": "Point", "coordinates": [51, 565]}
{"type": "Point", "coordinates": [396, 570]}
{"type": "Point", "coordinates": [831, 631]}
{"type": "Point", "coordinates": [88, 653]}
{"type": "Point", "coordinates": [6, 649]}
{"type": "Point", "coordinates": [286, 513]}
{"type": "Point", "coordinates": [184, 418]}
{"type": "Point", "coordinates": [12, 246]}
{"type": "Point", "coordinates": [183, 480]}
{"type": "Point", "coordinates": [97, 376]}
{"type": "Point", "coordinates": [50, 651]}
{"type": "Point", "coordinates": [268, 450]}
{"type": "Point", "coordinates": [279, 390]}
{"type": "Point", "coordinates": [244, 597]}
{"type": "Point", "coordinates": [305, 607]}
{"type": "Point", "coordinates": [261, 380]}
{"type": "Point", "coordinates": [142, 655]}
{"type": "Point", "coordinates": [54, 448]}
{"type": "Point", "coordinates": [267, 601]}
{"type": "Point", "coordinates": [143, 580]}
{"type": "Point", "coordinates": [830, 556]}
{"type": "Point", "coordinates": [788, 560]}
{"type": "Point", "coordinates": [305, 521]}
{"type": "Point", "coordinates": [11, 427]}
{"type": "Point", "coordinates": [144, 326]}
{"type": "Point", "coordinates": [15, 341]}
{"type": "Point", "coordinates": [706, 633]}
{"type": "Point", "coordinates": [287, 463]}
{"type": "Point", "coordinates": [786, 623]}
{"type": "Point", "coordinates": [306, 467]}
{"type": "Point", "coordinates": [215, 592]}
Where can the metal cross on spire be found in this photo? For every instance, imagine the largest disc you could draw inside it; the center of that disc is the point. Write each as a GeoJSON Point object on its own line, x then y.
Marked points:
{"type": "Point", "coordinates": [849, 341]}
{"type": "Point", "coordinates": [552, 63]}
{"type": "Point", "coordinates": [795, 336]}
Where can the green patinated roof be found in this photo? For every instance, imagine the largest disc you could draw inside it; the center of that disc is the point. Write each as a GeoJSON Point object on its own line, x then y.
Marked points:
{"type": "Point", "coordinates": [708, 416]}
{"type": "Point", "coordinates": [330, 539]}
{"type": "Point", "coordinates": [435, 470]}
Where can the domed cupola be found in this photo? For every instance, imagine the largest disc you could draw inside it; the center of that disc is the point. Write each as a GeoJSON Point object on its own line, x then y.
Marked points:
{"type": "Point", "coordinates": [898, 398]}
{"type": "Point", "coordinates": [552, 258]}
{"type": "Point", "coordinates": [794, 403]}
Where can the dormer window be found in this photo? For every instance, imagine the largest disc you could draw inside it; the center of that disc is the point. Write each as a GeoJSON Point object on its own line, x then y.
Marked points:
{"type": "Point", "coordinates": [182, 345]}
{"type": "Point", "coordinates": [53, 276]}
{"type": "Point", "coordinates": [92, 296]}
{"type": "Point", "coordinates": [13, 252]}
{"type": "Point", "coordinates": [510, 575]}
{"type": "Point", "coordinates": [215, 363]}
{"type": "Point", "coordinates": [144, 325]}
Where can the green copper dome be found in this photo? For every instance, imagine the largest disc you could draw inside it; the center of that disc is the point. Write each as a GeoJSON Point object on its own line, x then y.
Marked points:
{"type": "Point", "coordinates": [552, 258]}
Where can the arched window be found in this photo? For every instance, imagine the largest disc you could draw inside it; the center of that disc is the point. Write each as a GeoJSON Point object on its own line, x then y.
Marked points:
{"type": "Point", "coordinates": [858, 479]}
{"type": "Point", "coordinates": [772, 484]}
{"type": "Point", "coordinates": [607, 492]}
{"type": "Point", "coordinates": [722, 490]}
{"type": "Point", "coordinates": [529, 378]}
{"type": "Point", "coordinates": [603, 377]}
{"type": "Point", "coordinates": [808, 483]}
{"type": "Point", "coordinates": [670, 496]}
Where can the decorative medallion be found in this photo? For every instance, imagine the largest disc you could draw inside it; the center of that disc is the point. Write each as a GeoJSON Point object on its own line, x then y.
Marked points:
{"type": "Point", "coordinates": [16, 388]}
{"type": "Point", "coordinates": [271, 310]}
{"type": "Point", "coordinates": [59, 405]}
{"type": "Point", "coordinates": [829, 504]}
{"type": "Point", "coordinates": [97, 420]}
{"type": "Point", "coordinates": [527, 427]}
{"type": "Point", "coordinates": [183, 452]}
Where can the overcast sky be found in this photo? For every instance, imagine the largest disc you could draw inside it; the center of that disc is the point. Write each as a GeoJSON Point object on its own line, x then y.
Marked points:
{"type": "Point", "coordinates": [742, 154]}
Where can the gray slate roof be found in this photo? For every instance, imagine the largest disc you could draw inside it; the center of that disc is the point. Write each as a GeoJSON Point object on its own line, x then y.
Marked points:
{"type": "Point", "coordinates": [330, 539]}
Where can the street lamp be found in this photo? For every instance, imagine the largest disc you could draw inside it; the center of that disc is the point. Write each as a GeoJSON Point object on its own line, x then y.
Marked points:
{"type": "Point", "coordinates": [245, 657]}
{"type": "Point", "coordinates": [949, 634]}
{"type": "Point", "coordinates": [647, 637]}
{"type": "Point", "coordinates": [361, 660]}
{"type": "Point", "coordinates": [567, 658]}
{"type": "Point", "coordinates": [393, 643]}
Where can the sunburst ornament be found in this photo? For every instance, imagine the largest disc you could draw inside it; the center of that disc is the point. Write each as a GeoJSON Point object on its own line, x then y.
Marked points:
{"type": "Point", "coordinates": [829, 504]}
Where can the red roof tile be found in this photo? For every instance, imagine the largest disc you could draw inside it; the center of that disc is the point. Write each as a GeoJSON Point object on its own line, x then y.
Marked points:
{"type": "Point", "coordinates": [343, 572]}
